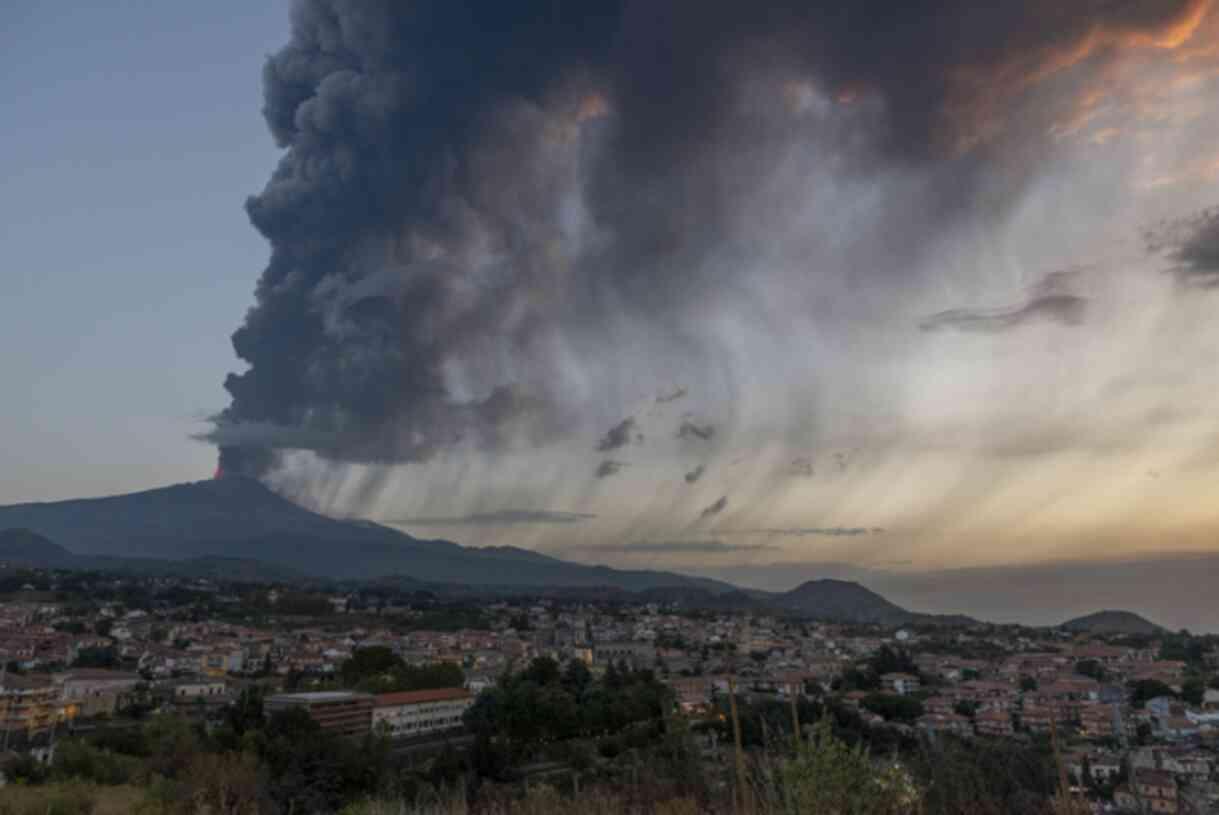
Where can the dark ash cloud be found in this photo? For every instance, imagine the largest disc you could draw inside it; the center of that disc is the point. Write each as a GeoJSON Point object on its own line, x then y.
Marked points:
{"type": "Point", "coordinates": [693, 430]}
{"type": "Point", "coordinates": [609, 467]}
{"type": "Point", "coordinates": [1193, 243]}
{"type": "Point", "coordinates": [1051, 301]}
{"type": "Point", "coordinates": [714, 509]}
{"type": "Point", "coordinates": [620, 435]}
{"type": "Point", "coordinates": [695, 474]}
{"type": "Point", "coordinates": [503, 517]}
{"type": "Point", "coordinates": [415, 219]}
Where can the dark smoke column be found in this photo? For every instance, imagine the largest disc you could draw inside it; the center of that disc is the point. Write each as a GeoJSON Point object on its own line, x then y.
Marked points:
{"type": "Point", "coordinates": [418, 135]}
{"type": "Point", "coordinates": [375, 102]}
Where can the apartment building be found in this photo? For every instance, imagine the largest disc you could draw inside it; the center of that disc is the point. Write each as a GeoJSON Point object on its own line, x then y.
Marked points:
{"type": "Point", "coordinates": [418, 713]}
{"type": "Point", "coordinates": [27, 703]}
{"type": "Point", "coordinates": [347, 713]}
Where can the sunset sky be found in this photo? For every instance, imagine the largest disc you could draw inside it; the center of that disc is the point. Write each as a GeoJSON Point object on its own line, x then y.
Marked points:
{"type": "Point", "coordinates": [756, 294]}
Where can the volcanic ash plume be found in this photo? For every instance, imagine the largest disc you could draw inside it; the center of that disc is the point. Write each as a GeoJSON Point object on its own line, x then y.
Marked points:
{"type": "Point", "coordinates": [497, 228]}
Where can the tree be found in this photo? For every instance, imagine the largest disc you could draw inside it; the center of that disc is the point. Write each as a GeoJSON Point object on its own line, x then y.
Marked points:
{"type": "Point", "coordinates": [96, 658]}
{"type": "Point", "coordinates": [892, 660]}
{"type": "Point", "coordinates": [1193, 690]}
{"type": "Point", "coordinates": [246, 713]}
{"type": "Point", "coordinates": [828, 775]}
{"type": "Point", "coordinates": [576, 677]}
{"type": "Point", "coordinates": [966, 708]}
{"type": "Point", "coordinates": [1090, 668]}
{"type": "Point", "coordinates": [366, 663]}
{"type": "Point", "coordinates": [1028, 684]}
{"type": "Point", "coordinates": [542, 670]}
{"type": "Point", "coordinates": [1146, 689]}
{"type": "Point", "coordinates": [893, 707]}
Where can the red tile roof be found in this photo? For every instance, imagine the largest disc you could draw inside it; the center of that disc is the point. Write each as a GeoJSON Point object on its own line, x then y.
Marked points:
{"type": "Point", "coordinates": [416, 697]}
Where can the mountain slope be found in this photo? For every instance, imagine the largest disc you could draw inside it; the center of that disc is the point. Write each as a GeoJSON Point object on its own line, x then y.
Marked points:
{"type": "Point", "coordinates": [241, 518]}
{"type": "Point", "coordinates": [1112, 622]}
{"type": "Point", "coordinates": [842, 601]}
{"type": "Point", "coordinates": [22, 547]}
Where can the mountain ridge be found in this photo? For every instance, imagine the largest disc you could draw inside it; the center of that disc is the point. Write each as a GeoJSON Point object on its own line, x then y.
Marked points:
{"type": "Point", "coordinates": [241, 518]}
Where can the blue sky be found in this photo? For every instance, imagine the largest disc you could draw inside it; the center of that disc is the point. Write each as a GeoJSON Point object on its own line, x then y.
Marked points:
{"type": "Point", "coordinates": [131, 137]}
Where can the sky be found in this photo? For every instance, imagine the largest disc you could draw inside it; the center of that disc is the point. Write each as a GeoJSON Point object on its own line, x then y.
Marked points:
{"type": "Point", "coordinates": [131, 138]}
{"type": "Point", "coordinates": [888, 290]}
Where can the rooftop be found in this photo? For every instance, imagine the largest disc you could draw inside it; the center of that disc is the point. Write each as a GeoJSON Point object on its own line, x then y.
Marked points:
{"type": "Point", "coordinates": [417, 697]}
{"type": "Point", "coordinates": [317, 696]}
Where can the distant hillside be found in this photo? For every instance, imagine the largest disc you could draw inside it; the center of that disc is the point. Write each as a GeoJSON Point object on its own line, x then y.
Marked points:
{"type": "Point", "coordinates": [1112, 622]}
{"type": "Point", "coordinates": [21, 547]}
{"type": "Point", "coordinates": [240, 518]}
{"type": "Point", "coordinates": [842, 601]}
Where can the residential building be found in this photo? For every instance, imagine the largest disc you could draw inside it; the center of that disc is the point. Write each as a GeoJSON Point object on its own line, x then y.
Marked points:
{"type": "Point", "coordinates": [192, 689]}
{"type": "Point", "coordinates": [900, 683]}
{"type": "Point", "coordinates": [635, 654]}
{"type": "Point", "coordinates": [346, 713]}
{"type": "Point", "coordinates": [27, 703]}
{"type": "Point", "coordinates": [418, 713]}
{"type": "Point", "coordinates": [692, 692]}
{"type": "Point", "coordinates": [1156, 791]}
{"type": "Point", "coordinates": [93, 691]}
{"type": "Point", "coordinates": [945, 723]}
{"type": "Point", "coordinates": [993, 723]}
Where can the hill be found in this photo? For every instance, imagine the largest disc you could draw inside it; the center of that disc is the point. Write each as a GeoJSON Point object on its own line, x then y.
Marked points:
{"type": "Point", "coordinates": [1112, 622]}
{"type": "Point", "coordinates": [22, 547]}
{"type": "Point", "coordinates": [240, 520]}
{"type": "Point", "coordinates": [842, 601]}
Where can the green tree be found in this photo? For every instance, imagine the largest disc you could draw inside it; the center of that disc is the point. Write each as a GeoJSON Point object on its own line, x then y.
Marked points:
{"type": "Point", "coordinates": [1193, 690]}
{"type": "Point", "coordinates": [96, 658]}
{"type": "Point", "coordinates": [893, 707]}
{"type": "Point", "coordinates": [1146, 689]}
{"type": "Point", "coordinates": [367, 663]}
{"type": "Point", "coordinates": [828, 775]}
{"type": "Point", "coordinates": [1090, 668]}
{"type": "Point", "coordinates": [966, 708]}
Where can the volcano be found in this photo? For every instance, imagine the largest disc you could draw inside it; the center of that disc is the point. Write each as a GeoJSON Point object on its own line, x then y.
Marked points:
{"type": "Point", "coordinates": [240, 518]}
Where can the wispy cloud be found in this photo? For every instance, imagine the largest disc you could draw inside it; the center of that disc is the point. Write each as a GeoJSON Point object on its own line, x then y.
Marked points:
{"type": "Point", "coordinates": [680, 547]}
{"type": "Point", "coordinates": [810, 531]}
{"type": "Point", "coordinates": [620, 435]}
{"type": "Point", "coordinates": [693, 430]}
{"type": "Point", "coordinates": [502, 517]}
{"type": "Point", "coordinates": [609, 467]}
{"type": "Point", "coordinates": [715, 509]}
{"type": "Point", "coordinates": [1051, 300]}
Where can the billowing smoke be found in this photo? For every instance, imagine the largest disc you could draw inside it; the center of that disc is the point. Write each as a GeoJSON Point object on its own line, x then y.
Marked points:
{"type": "Point", "coordinates": [479, 200]}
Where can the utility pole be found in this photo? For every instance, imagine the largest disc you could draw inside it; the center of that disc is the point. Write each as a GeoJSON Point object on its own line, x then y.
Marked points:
{"type": "Point", "coordinates": [8, 702]}
{"type": "Point", "coordinates": [740, 798]}
{"type": "Point", "coordinates": [795, 699]}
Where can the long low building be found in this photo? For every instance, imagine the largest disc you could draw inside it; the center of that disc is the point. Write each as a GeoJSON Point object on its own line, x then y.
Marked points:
{"type": "Point", "coordinates": [344, 712]}
{"type": "Point", "coordinates": [418, 713]}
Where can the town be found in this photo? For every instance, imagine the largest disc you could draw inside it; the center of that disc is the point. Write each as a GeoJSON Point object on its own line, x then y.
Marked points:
{"type": "Point", "coordinates": [1130, 720]}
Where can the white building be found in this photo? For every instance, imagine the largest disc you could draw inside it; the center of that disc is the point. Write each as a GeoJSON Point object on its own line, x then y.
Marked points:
{"type": "Point", "coordinates": [417, 713]}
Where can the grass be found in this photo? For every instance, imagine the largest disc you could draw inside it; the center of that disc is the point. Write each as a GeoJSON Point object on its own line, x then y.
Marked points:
{"type": "Point", "coordinates": [70, 798]}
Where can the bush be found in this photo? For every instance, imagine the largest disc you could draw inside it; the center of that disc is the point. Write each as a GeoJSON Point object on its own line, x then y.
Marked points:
{"type": "Point", "coordinates": [828, 775]}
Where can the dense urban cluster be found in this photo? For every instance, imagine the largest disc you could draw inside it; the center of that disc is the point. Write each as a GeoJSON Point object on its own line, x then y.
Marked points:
{"type": "Point", "coordinates": [406, 691]}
